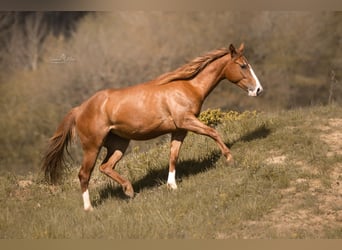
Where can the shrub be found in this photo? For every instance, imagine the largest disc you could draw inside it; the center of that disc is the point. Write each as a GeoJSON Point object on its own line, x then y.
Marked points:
{"type": "Point", "coordinates": [213, 117]}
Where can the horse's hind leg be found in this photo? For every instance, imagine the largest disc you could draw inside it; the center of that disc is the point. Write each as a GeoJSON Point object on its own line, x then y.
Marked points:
{"type": "Point", "coordinates": [116, 147]}
{"type": "Point", "coordinates": [88, 163]}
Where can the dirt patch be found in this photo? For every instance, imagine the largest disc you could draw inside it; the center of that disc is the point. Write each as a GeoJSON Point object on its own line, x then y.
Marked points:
{"type": "Point", "coordinates": [332, 135]}
{"type": "Point", "coordinates": [311, 207]}
{"type": "Point", "coordinates": [310, 203]}
{"type": "Point", "coordinates": [276, 158]}
{"type": "Point", "coordinates": [318, 209]}
{"type": "Point", "coordinates": [24, 183]}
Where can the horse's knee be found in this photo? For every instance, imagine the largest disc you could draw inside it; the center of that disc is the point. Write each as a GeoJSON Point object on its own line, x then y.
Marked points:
{"type": "Point", "coordinates": [82, 175]}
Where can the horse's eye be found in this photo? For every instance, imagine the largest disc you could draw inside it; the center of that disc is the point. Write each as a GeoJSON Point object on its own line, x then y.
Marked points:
{"type": "Point", "coordinates": [244, 66]}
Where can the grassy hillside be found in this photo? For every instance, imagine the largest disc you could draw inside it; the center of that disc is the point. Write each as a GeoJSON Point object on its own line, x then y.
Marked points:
{"type": "Point", "coordinates": [285, 183]}
{"type": "Point", "coordinates": [53, 61]}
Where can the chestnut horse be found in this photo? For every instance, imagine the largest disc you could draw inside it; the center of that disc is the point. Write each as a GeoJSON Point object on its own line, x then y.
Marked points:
{"type": "Point", "coordinates": [168, 104]}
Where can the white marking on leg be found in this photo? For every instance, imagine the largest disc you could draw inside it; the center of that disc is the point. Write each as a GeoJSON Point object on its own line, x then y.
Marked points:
{"type": "Point", "coordinates": [86, 201]}
{"type": "Point", "coordinates": [171, 180]}
{"type": "Point", "coordinates": [258, 88]}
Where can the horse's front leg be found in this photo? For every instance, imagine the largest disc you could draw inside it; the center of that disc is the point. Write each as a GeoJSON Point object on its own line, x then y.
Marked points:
{"type": "Point", "coordinates": [191, 123]}
{"type": "Point", "coordinates": [177, 139]}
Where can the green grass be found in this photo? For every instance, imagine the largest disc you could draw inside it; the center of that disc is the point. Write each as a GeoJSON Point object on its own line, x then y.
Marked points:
{"type": "Point", "coordinates": [278, 157]}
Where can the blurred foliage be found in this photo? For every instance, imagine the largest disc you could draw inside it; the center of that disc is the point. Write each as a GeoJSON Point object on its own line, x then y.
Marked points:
{"type": "Point", "coordinates": [52, 61]}
{"type": "Point", "coordinates": [213, 117]}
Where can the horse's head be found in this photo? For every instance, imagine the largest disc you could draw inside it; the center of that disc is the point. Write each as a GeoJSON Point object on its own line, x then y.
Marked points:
{"type": "Point", "coordinates": [240, 72]}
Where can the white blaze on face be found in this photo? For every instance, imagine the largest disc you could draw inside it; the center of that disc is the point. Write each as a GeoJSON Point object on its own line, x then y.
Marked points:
{"type": "Point", "coordinates": [258, 88]}
{"type": "Point", "coordinates": [86, 201]}
{"type": "Point", "coordinates": [171, 180]}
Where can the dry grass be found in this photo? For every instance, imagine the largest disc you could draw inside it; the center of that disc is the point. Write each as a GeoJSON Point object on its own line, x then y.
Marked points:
{"type": "Point", "coordinates": [285, 183]}
{"type": "Point", "coordinates": [106, 50]}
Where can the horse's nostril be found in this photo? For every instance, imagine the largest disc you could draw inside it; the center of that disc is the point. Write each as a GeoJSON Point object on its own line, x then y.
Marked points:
{"type": "Point", "coordinates": [259, 90]}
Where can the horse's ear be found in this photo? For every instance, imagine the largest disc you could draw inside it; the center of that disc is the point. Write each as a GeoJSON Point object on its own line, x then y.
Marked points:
{"type": "Point", "coordinates": [241, 49]}
{"type": "Point", "coordinates": [232, 50]}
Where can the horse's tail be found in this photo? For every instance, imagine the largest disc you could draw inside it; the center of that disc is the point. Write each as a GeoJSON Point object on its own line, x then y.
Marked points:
{"type": "Point", "coordinates": [53, 163]}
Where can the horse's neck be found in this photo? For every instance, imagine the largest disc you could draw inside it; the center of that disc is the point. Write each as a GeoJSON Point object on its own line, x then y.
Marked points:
{"type": "Point", "coordinates": [210, 76]}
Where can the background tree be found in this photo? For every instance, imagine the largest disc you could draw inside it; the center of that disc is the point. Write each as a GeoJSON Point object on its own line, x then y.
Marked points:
{"type": "Point", "coordinates": [296, 55]}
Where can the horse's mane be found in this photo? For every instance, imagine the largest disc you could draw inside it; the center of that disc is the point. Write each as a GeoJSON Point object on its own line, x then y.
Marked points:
{"type": "Point", "coordinates": [192, 68]}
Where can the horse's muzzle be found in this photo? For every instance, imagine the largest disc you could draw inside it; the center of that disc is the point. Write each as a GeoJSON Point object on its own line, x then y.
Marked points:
{"type": "Point", "coordinates": [255, 92]}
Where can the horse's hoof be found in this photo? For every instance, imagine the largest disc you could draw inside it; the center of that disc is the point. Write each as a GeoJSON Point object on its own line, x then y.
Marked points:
{"type": "Point", "coordinates": [89, 209]}
{"type": "Point", "coordinates": [128, 190]}
{"type": "Point", "coordinates": [172, 186]}
{"type": "Point", "coordinates": [230, 159]}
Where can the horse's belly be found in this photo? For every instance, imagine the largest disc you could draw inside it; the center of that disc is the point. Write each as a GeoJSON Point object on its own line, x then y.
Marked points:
{"type": "Point", "coordinates": [143, 129]}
